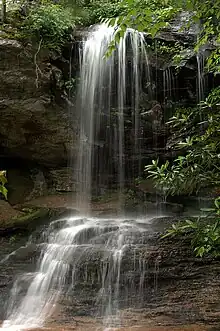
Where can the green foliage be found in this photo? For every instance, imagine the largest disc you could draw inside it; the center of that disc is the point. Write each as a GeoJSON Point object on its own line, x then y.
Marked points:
{"type": "Point", "coordinates": [205, 238]}
{"type": "Point", "coordinates": [13, 239]}
{"type": "Point", "coordinates": [164, 48]}
{"type": "Point", "coordinates": [3, 181]}
{"type": "Point", "coordinates": [145, 15]}
{"type": "Point", "coordinates": [174, 53]}
{"type": "Point", "coordinates": [153, 16]}
{"type": "Point", "coordinates": [196, 133]}
{"type": "Point", "coordinates": [52, 22]}
{"type": "Point", "coordinates": [48, 23]}
{"type": "Point", "coordinates": [71, 84]}
{"type": "Point", "coordinates": [213, 62]}
{"type": "Point", "coordinates": [97, 10]}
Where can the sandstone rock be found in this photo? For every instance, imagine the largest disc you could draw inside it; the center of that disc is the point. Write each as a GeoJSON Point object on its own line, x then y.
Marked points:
{"type": "Point", "coordinates": [41, 130]}
{"type": "Point", "coordinates": [177, 287]}
{"type": "Point", "coordinates": [38, 129]}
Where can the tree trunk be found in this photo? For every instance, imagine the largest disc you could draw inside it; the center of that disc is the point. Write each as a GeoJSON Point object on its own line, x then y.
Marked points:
{"type": "Point", "coordinates": [3, 11]}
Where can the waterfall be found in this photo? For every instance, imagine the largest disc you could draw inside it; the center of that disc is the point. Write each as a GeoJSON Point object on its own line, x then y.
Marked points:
{"type": "Point", "coordinates": [200, 57]}
{"type": "Point", "coordinates": [109, 92]}
{"type": "Point", "coordinates": [169, 84]}
{"type": "Point", "coordinates": [67, 246]}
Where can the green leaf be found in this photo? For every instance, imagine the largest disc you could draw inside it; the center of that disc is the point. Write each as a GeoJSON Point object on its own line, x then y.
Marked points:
{"type": "Point", "coordinates": [208, 209]}
{"type": "Point", "coordinates": [200, 251]}
{"type": "Point", "coordinates": [192, 224]}
{"type": "Point", "coordinates": [4, 191]}
{"type": "Point", "coordinates": [217, 202]}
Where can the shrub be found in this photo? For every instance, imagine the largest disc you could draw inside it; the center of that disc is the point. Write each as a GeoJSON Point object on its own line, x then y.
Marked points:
{"type": "Point", "coordinates": [48, 23]}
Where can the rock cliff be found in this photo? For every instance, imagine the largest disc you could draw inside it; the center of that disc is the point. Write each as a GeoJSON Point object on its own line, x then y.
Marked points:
{"type": "Point", "coordinates": [38, 132]}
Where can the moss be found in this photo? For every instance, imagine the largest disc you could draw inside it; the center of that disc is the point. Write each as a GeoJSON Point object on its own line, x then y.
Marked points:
{"type": "Point", "coordinates": [26, 221]}
{"type": "Point", "coordinates": [31, 218]}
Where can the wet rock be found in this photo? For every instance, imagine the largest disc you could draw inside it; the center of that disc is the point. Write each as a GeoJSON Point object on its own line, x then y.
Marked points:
{"type": "Point", "coordinates": [62, 180]}
{"type": "Point", "coordinates": [161, 281]}
{"type": "Point", "coordinates": [169, 207]}
{"type": "Point", "coordinates": [147, 187]}
{"type": "Point", "coordinates": [155, 113]}
{"type": "Point", "coordinates": [39, 132]}
{"type": "Point", "coordinates": [36, 113]}
{"type": "Point", "coordinates": [25, 184]}
{"type": "Point", "coordinates": [179, 283]}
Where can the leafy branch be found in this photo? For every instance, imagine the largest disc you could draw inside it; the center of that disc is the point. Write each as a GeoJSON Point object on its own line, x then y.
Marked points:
{"type": "Point", "coordinates": [205, 238]}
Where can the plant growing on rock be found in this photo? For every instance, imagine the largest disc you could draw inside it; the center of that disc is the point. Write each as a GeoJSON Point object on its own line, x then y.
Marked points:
{"type": "Point", "coordinates": [49, 24]}
{"type": "Point", "coordinates": [196, 136]}
{"type": "Point", "coordinates": [3, 181]}
{"type": "Point", "coordinates": [205, 237]}
{"type": "Point", "coordinates": [196, 133]}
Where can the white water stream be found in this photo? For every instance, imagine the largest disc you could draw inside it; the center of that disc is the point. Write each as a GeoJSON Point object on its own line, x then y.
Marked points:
{"type": "Point", "coordinates": [109, 92]}
{"type": "Point", "coordinates": [65, 251]}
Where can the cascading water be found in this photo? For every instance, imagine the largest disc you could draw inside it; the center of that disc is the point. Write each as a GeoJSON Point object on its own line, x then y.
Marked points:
{"type": "Point", "coordinates": [200, 57]}
{"type": "Point", "coordinates": [169, 84]}
{"type": "Point", "coordinates": [109, 92]}
{"type": "Point", "coordinates": [68, 245]}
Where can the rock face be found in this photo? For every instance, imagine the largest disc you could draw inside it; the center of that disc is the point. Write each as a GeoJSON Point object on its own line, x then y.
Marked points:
{"type": "Point", "coordinates": [40, 128]}
{"type": "Point", "coordinates": [37, 127]}
{"type": "Point", "coordinates": [175, 289]}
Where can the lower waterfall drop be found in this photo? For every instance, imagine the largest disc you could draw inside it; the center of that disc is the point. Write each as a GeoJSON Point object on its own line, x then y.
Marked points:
{"type": "Point", "coordinates": [69, 245]}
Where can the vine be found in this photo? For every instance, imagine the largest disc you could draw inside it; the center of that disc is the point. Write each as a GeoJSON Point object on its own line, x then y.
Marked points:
{"type": "Point", "coordinates": [37, 69]}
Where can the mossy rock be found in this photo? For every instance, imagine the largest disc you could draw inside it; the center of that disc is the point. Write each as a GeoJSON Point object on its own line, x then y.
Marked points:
{"type": "Point", "coordinates": [32, 217]}
{"type": "Point", "coordinates": [29, 218]}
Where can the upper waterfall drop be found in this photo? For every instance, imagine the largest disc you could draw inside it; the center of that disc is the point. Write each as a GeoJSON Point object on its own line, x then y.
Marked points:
{"type": "Point", "coordinates": [109, 92]}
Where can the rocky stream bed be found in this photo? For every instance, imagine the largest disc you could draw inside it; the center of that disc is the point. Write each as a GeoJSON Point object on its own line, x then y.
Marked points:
{"type": "Point", "coordinates": [177, 292]}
